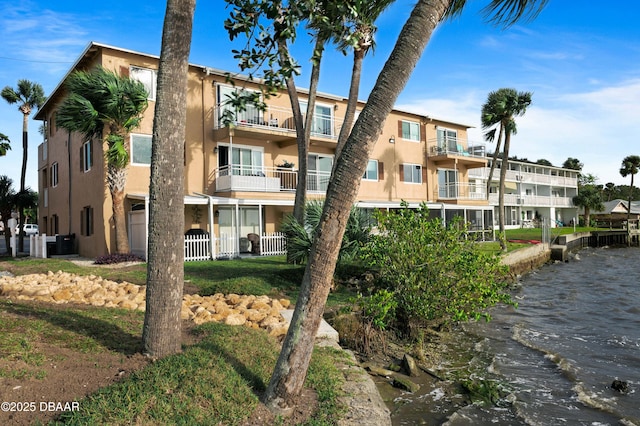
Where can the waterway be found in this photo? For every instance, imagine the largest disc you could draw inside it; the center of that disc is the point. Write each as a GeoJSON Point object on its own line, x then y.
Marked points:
{"type": "Point", "coordinates": [575, 331]}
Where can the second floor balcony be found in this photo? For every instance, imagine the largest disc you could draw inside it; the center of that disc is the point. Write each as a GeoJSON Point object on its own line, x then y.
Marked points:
{"type": "Point", "coordinates": [532, 200]}
{"type": "Point", "coordinates": [460, 191]}
{"type": "Point", "coordinates": [266, 179]}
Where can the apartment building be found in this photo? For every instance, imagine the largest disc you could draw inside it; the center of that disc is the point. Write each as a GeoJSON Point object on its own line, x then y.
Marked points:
{"type": "Point", "coordinates": [532, 193]}
{"type": "Point", "coordinates": [240, 178]}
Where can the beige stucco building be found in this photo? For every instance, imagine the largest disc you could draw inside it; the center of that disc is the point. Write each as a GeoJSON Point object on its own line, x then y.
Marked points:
{"type": "Point", "coordinates": [240, 178]}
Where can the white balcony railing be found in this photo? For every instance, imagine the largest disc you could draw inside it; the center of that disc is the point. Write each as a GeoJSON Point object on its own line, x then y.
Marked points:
{"type": "Point", "coordinates": [455, 146]}
{"type": "Point", "coordinates": [255, 178]}
{"type": "Point", "coordinates": [460, 191]}
{"type": "Point", "coordinates": [266, 179]}
{"type": "Point", "coordinates": [526, 177]}
{"type": "Point", "coordinates": [532, 200]}
{"type": "Point", "coordinates": [279, 119]}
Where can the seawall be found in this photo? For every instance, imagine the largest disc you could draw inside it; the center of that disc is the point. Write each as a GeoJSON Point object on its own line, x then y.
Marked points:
{"type": "Point", "coordinates": [527, 259]}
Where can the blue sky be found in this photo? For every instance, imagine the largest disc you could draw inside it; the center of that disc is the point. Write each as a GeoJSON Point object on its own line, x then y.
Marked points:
{"type": "Point", "coordinates": [581, 63]}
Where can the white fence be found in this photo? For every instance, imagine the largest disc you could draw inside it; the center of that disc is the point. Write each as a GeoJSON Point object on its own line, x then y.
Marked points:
{"type": "Point", "coordinates": [198, 247]}
{"type": "Point", "coordinates": [273, 244]}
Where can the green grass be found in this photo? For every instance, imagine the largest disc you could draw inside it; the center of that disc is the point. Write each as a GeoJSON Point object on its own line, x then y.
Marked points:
{"type": "Point", "coordinates": [215, 381]}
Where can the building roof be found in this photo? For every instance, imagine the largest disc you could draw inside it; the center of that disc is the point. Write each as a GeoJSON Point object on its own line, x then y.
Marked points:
{"type": "Point", "coordinates": [619, 206]}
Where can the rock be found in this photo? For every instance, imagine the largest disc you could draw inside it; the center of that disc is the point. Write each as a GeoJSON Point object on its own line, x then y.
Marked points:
{"type": "Point", "coordinates": [378, 371]}
{"type": "Point", "coordinates": [405, 384]}
{"type": "Point", "coordinates": [620, 386]}
{"type": "Point", "coordinates": [235, 319]}
{"type": "Point", "coordinates": [410, 365]}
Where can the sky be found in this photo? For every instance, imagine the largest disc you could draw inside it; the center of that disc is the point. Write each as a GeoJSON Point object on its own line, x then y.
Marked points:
{"type": "Point", "coordinates": [580, 60]}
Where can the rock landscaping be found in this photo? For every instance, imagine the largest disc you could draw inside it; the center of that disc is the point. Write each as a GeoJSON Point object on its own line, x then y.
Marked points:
{"type": "Point", "coordinates": [62, 287]}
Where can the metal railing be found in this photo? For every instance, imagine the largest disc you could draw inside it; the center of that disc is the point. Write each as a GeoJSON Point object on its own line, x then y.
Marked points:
{"type": "Point", "coordinates": [278, 119]}
{"type": "Point", "coordinates": [532, 200]}
{"type": "Point", "coordinates": [255, 178]}
{"type": "Point", "coordinates": [460, 191]}
{"type": "Point", "coordinates": [455, 146]}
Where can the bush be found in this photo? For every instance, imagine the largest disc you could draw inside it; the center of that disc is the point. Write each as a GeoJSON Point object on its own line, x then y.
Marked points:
{"type": "Point", "coordinates": [435, 273]}
{"type": "Point", "coordinates": [109, 259]}
{"type": "Point", "coordinates": [300, 237]}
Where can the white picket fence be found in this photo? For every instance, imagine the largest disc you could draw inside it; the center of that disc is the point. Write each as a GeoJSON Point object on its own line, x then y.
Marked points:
{"type": "Point", "coordinates": [198, 247]}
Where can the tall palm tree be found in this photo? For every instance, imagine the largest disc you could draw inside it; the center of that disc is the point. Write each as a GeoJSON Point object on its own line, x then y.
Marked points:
{"type": "Point", "coordinates": [102, 103]}
{"type": "Point", "coordinates": [288, 377]}
{"type": "Point", "coordinates": [28, 95]}
{"type": "Point", "coordinates": [630, 166]}
{"type": "Point", "coordinates": [363, 17]}
{"type": "Point", "coordinates": [501, 108]}
{"type": "Point", "coordinates": [165, 267]}
{"type": "Point", "coordinates": [5, 144]}
{"type": "Point", "coordinates": [7, 204]}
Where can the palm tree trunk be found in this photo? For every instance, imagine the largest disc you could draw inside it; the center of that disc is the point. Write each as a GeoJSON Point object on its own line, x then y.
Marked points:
{"type": "Point", "coordinates": [629, 213]}
{"type": "Point", "coordinates": [352, 102]}
{"type": "Point", "coordinates": [495, 159]}
{"type": "Point", "coordinates": [161, 334]}
{"type": "Point", "coordinates": [287, 380]}
{"type": "Point", "coordinates": [23, 175]}
{"type": "Point", "coordinates": [119, 220]}
{"type": "Point", "coordinates": [503, 176]}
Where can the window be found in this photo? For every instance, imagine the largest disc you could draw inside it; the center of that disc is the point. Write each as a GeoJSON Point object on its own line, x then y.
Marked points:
{"type": "Point", "coordinates": [86, 157]}
{"type": "Point", "coordinates": [318, 172]}
{"type": "Point", "coordinates": [245, 160]}
{"type": "Point", "coordinates": [54, 224]}
{"type": "Point", "coordinates": [141, 149]}
{"type": "Point", "coordinates": [412, 173]}
{"type": "Point", "coordinates": [448, 140]}
{"type": "Point", "coordinates": [86, 221]}
{"type": "Point", "coordinates": [322, 119]}
{"type": "Point", "coordinates": [147, 77]}
{"type": "Point", "coordinates": [447, 184]}
{"type": "Point", "coordinates": [411, 131]}
{"type": "Point", "coordinates": [372, 170]}
{"type": "Point", "coordinates": [251, 114]}
{"type": "Point", "coordinates": [54, 174]}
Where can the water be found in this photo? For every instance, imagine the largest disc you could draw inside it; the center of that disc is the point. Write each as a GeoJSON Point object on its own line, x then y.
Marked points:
{"type": "Point", "coordinates": [576, 330]}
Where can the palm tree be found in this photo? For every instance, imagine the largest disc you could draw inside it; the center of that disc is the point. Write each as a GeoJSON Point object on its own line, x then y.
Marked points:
{"type": "Point", "coordinates": [102, 101]}
{"type": "Point", "coordinates": [590, 198]}
{"type": "Point", "coordinates": [5, 144]}
{"type": "Point", "coordinates": [608, 188]}
{"type": "Point", "coordinates": [288, 377]}
{"type": "Point", "coordinates": [364, 15]}
{"type": "Point", "coordinates": [502, 106]}
{"type": "Point", "coordinates": [630, 166]}
{"type": "Point", "coordinates": [165, 267]}
{"type": "Point", "coordinates": [27, 95]}
{"type": "Point", "coordinates": [7, 204]}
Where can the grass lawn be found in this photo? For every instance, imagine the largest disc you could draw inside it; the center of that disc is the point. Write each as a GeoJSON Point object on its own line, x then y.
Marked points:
{"type": "Point", "coordinates": [215, 380]}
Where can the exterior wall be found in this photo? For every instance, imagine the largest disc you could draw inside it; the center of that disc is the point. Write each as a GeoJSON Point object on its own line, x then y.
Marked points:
{"type": "Point", "coordinates": [205, 141]}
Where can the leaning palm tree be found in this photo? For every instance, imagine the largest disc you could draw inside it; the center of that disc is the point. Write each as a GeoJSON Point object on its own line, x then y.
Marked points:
{"type": "Point", "coordinates": [501, 108]}
{"type": "Point", "coordinates": [5, 144]}
{"type": "Point", "coordinates": [102, 103]}
{"type": "Point", "coordinates": [27, 95]}
{"type": "Point", "coordinates": [630, 166]}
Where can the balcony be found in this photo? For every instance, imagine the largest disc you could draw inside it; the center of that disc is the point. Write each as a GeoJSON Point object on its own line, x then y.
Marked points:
{"type": "Point", "coordinates": [527, 177]}
{"type": "Point", "coordinates": [266, 179]}
{"type": "Point", "coordinates": [278, 122]}
{"type": "Point", "coordinates": [532, 200]}
{"type": "Point", "coordinates": [461, 192]}
{"type": "Point", "coordinates": [255, 179]}
{"type": "Point", "coordinates": [454, 150]}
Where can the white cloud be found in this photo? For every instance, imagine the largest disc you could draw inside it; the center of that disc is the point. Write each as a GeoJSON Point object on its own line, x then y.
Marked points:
{"type": "Point", "coordinates": [599, 127]}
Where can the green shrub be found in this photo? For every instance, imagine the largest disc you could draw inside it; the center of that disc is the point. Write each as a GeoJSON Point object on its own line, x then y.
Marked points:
{"type": "Point", "coordinates": [435, 273]}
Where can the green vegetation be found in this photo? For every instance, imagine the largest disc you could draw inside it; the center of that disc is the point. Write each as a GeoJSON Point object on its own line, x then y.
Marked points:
{"type": "Point", "coordinates": [436, 275]}
{"type": "Point", "coordinates": [212, 382]}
